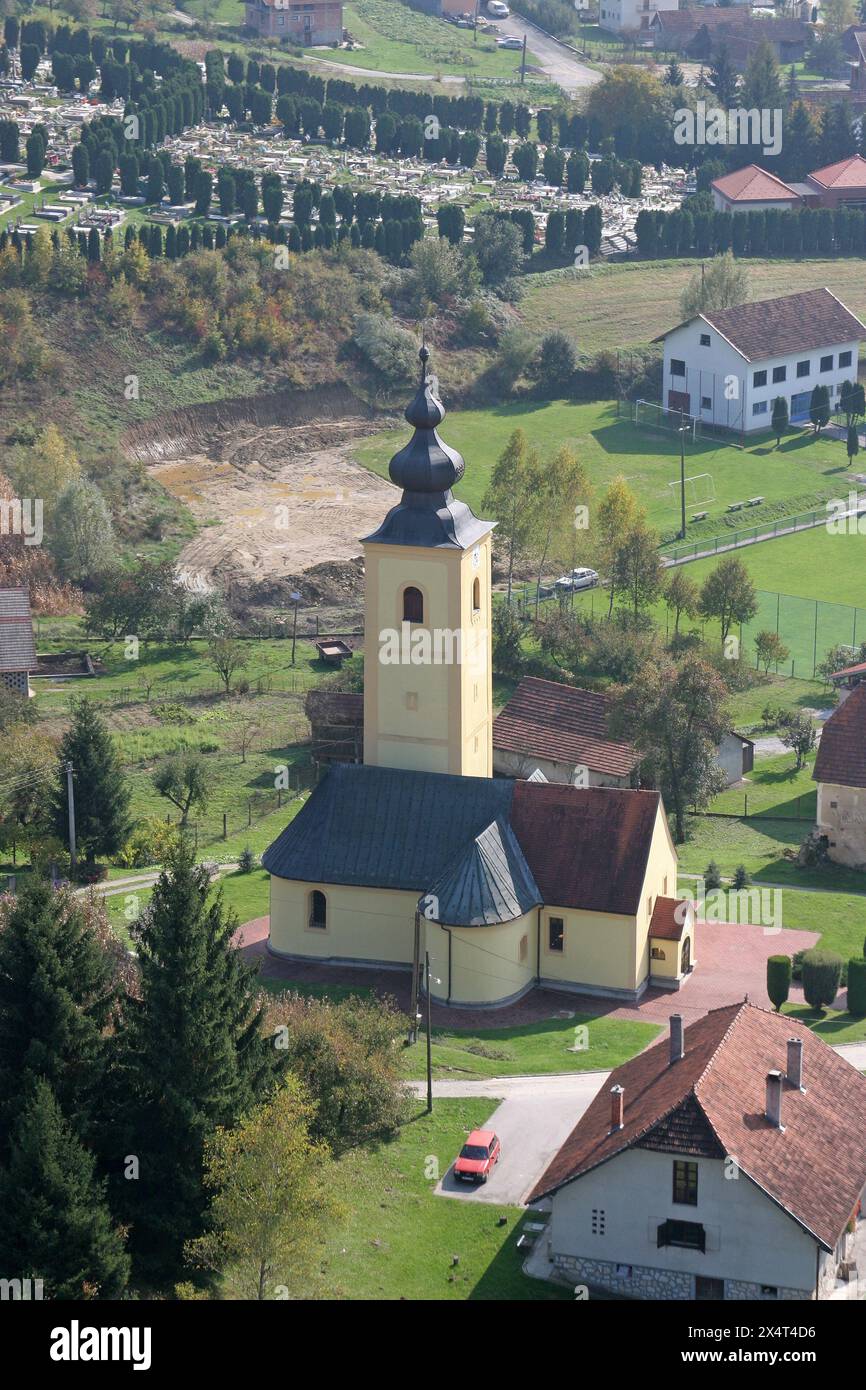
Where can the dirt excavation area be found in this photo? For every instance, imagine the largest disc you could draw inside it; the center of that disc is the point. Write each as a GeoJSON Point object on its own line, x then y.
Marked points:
{"type": "Point", "coordinates": [281, 508]}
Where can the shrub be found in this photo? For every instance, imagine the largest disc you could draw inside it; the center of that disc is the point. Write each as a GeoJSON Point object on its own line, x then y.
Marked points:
{"type": "Point", "coordinates": [778, 979]}
{"type": "Point", "coordinates": [857, 986]}
{"type": "Point", "coordinates": [149, 843]}
{"type": "Point", "coordinates": [388, 348]}
{"type": "Point", "coordinates": [822, 972]}
{"type": "Point", "coordinates": [741, 878]}
{"type": "Point", "coordinates": [712, 875]}
{"type": "Point", "coordinates": [246, 861]}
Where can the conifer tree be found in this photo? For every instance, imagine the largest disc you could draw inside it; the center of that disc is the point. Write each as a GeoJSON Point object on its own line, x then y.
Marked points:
{"type": "Point", "coordinates": [56, 998]}
{"type": "Point", "coordinates": [54, 1223]}
{"type": "Point", "coordinates": [101, 795]}
{"type": "Point", "coordinates": [192, 1056]}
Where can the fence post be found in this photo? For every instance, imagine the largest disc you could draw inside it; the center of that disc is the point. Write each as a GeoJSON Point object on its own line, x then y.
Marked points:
{"type": "Point", "coordinates": [249, 812]}
{"type": "Point", "coordinates": [225, 828]}
{"type": "Point", "coordinates": [746, 804]}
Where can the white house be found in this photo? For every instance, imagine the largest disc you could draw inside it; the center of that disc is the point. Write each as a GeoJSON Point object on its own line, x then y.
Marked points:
{"type": "Point", "coordinates": [728, 1162]}
{"type": "Point", "coordinates": [727, 366]}
{"type": "Point", "coordinates": [631, 16]}
{"type": "Point", "coordinates": [754, 190]}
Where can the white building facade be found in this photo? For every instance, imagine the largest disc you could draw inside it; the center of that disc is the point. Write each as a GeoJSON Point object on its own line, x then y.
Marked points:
{"type": "Point", "coordinates": [631, 16]}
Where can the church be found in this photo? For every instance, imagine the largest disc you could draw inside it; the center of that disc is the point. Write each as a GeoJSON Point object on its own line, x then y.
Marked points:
{"type": "Point", "coordinates": [508, 884]}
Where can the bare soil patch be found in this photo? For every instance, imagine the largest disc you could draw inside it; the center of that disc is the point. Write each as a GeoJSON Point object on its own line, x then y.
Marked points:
{"type": "Point", "coordinates": [282, 508]}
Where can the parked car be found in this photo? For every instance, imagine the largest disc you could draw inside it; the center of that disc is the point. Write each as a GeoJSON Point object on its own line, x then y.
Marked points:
{"type": "Point", "coordinates": [498, 8]}
{"type": "Point", "coordinates": [510, 42]}
{"type": "Point", "coordinates": [578, 579]}
{"type": "Point", "coordinates": [477, 1158]}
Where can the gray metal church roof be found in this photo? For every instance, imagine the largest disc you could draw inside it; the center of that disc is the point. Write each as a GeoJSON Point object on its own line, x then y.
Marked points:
{"type": "Point", "coordinates": [490, 883]}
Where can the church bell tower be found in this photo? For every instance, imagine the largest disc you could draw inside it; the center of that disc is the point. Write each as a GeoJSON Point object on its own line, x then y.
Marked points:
{"type": "Point", "coordinates": [428, 691]}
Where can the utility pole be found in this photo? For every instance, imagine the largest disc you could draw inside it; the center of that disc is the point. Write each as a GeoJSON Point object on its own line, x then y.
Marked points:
{"type": "Point", "coordinates": [475, 25]}
{"type": "Point", "coordinates": [429, 1039]}
{"type": "Point", "coordinates": [70, 799]}
{"type": "Point", "coordinates": [416, 965]}
{"type": "Point", "coordinates": [296, 598]}
{"type": "Point", "coordinates": [523, 62]}
{"type": "Point", "coordinates": [682, 478]}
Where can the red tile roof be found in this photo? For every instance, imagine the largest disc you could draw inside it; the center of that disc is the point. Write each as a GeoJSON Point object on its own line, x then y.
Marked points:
{"type": "Point", "coordinates": [587, 847]}
{"type": "Point", "coordinates": [855, 670]}
{"type": "Point", "coordinates": [546, 719]}
{"type": "Point", "coordinates": [754, 185]}
{"type": "Point", "coordinates": [814, 1168]}
{"type": "Point", "coordinates": [670, 918]}
{"type": "Point", "coordinates": [841, 756]}
{"type": "Point", "coordinates": [846, 173]}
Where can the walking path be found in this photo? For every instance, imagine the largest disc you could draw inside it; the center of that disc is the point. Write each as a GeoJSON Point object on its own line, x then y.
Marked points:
{"type": "Point", "coordinates": [555, 58]}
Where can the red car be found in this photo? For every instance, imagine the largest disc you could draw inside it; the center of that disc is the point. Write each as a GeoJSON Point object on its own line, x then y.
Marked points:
{"type": "Point", "coordinates": [477, 1157]}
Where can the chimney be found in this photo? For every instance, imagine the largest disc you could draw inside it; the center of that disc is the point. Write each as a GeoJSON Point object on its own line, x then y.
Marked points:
{"type": "Point", "coordinates": [774, 1099]}
{"type": "Point", "coordinates": [795, 1063]}
{"type": "Point", "coordinates": [677, 1043]}
{"type": "Point", "coordinates": [616, 1104]}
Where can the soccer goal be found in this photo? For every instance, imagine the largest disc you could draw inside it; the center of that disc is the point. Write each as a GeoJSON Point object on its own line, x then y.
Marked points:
{"type": "Point", "coordinates": [654, 416]}
{"type": "Point", "coordinates": [700, 489]}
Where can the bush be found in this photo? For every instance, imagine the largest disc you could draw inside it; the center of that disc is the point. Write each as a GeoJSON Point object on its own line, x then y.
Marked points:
{"type": "Point", "coordinates": [779, 971]}
{"type": "Point", "coordinates": [712, 875]}
{"type": "Point", "coordinates": [149, 843]}
{"type": "Point", "coordinates": [857, 986]}
{"type": "Point", "coordinates": [246, 861]}
{"type": "Point", "coordinates": [741, 878]}
{"type": "Point", "coordinates": [822, 973]}
{"type": "Point", "coordinates": [388, 348]}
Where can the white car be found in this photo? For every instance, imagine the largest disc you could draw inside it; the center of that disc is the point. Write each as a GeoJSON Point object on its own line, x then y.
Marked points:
{"type": "Point", "coordinates": [509, 43]}
{"type": "Point", "coordinates": [578, 579]}
{"type": "Point", "coordinates": [498, 8]}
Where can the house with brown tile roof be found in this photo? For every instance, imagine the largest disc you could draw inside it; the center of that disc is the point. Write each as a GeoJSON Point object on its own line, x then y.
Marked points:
{"type": "Point", "coordinates": [752, 189]}
{"type": "Point", "coordinates": [840, 771]}
{"type": "Point", "coordinates": [725, 1162]}
{"type": "Point", "coordinates": [771, 347]}
{"type": "Point", "coordinates": [562, 731]}
{"type": "Point", "coordinates": [842, 184]}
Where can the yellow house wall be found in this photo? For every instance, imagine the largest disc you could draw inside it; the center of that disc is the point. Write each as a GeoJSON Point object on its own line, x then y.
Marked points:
{"type": "Point", "coordinates": [429, 717]}
{"type": "Point", "coordinates": [366, 924]}
{"type": "Point", "coordinates": [486, 965]}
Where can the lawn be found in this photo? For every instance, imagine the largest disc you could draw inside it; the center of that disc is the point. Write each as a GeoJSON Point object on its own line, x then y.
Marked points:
{"type": "Point", "coordinates": [399, 1241]}
{"type": "Point", "coordinates": [832, 1025]}
{"type": "Point", "coordinates": [397, 39]}
{"type": "Point", "coordinates": [533, 1048]}
{"type": "Point", "coordinates": [804, 468]}
{"type": "Point", "coordinates": [746, 706]}
{"type": "Point", "coordinates": [629, 303]}
{"type": "Point", "coordinates": [774, 788]}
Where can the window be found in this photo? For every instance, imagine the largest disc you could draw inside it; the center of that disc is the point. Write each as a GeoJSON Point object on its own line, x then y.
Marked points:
{"type": "Point", "coordinates": [476, 596]}
{"type": "Point", "coordinates": [665, 887]}
{"type": "Point", "coordinates": [318, 911]}
{"type": "Point", "coordinates": [413, 605]}
{"type": "Point", "coordinates": [705, 340]}
{"type": "Point", "coordinates": [769, 1291]}
{"type": "Point", "coordinates": [827, 363]}
{"type": "Point", "coordinates": [759, 379]}
{"type": "Point", "coordinates": [555, 934]}
{"type": "Point", "coordinates": [688, 1235]}
{"type": "Point", "coordinates": [685, 1183]}
{"type": "Point", "coordinates": [523, 949]}
{"type": "Point", "coordinates": [780, 373]}
{"type": "Point", "coordinates": [657, 953]}
{"type": "Point", "coordinates": [411, 699]}
{"type": "Point", "coordinates": [708, 1289]}
{"type": "Point", "coordinates": [598, 1221]}
{"type": "Point", "coordinates": [804, 368]}
{"type": "Point", "coordinates": [678, 366]}
{"type": "Point", "coordinates": [706, 402]}
{"type": "Point", "coordinates": [844, 359]}
{"type": "Point", "coordinates": [649, 905]}
{"type": "Point", "coordinates": [759, 408]}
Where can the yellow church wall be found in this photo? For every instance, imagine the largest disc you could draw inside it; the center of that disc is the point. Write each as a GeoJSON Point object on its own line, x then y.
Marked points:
{"type": "Point", "coordinates": [366, 924]}
{"type": "Point", "coordinates": [487, 964]}
{"type": "Point", "coordinates": [433, 716]}
{"type": "Point", "coordinates": [660, 881]}
{"type": "Point", "coordinates": [597, 949]}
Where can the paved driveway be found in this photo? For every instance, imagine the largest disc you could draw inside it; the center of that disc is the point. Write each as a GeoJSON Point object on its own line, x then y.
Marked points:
{"type": "Point", "coordinates": [535, 1116]}
{"type": "Point", "coordinates": [560, 65]}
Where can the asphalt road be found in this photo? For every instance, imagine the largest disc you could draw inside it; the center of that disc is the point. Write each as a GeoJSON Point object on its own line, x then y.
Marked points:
{"type": "Point", "coordinates": [534, 1116]}
{"type": "Point", "coordinates": [560, 65]}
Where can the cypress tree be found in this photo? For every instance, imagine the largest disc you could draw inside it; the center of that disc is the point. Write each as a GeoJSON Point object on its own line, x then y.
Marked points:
{"type": "Point", "coordinates": [192, 1057]}
{"type": "Point", "coordinates": [54, 1223]}
{"type": "Point", "coordinates": [101, 794]}
{"type": "Point", "coordinates": [56, 998]}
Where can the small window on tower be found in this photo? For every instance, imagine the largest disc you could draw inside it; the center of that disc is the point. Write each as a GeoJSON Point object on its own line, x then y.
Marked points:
{"type": "Point", "coordinates": [413, 605]}
{"type": "Point", "coordinates": [476, 596]}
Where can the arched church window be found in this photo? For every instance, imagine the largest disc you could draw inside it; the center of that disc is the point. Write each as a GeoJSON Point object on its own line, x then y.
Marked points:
{"type": "Point", "coordinates": [318, 910]}
{"type": "Point", "coordinates": [476, 596]}
{"type": "Point", "coordinates": [413, 605]}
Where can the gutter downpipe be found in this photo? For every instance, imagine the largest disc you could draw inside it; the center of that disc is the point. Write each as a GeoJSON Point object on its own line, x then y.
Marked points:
{"type": "Point", "coordinates": [447, 931]}
{"type": "Point", "coordinates": [538, 950]}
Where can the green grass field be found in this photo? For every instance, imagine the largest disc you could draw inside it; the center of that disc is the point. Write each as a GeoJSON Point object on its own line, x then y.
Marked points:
{"type": "Point", "coordinates": [397, 39]}
{"type": "Point", "coordinates": [532, 1049]}
{"type": "Point", "coordinates": [773, 788]}
{"type": "Point", "coordinates": [629, 303]}
{"type": "Point", "coordinates": [399, 1240]}
{"type": "Point", "coordinates": [649, 460]}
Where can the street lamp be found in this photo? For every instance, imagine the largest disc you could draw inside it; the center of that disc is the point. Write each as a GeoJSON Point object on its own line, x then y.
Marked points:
{"type": "Point", "coordinates": [296, 598]}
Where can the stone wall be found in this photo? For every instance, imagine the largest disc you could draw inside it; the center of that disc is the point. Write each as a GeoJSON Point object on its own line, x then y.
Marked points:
{"type": "Point", "coordinates": [647, 1282]}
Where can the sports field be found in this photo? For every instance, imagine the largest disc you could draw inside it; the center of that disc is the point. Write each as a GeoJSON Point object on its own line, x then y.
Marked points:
{"type": "Point", "coordinates": [792, 478]}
